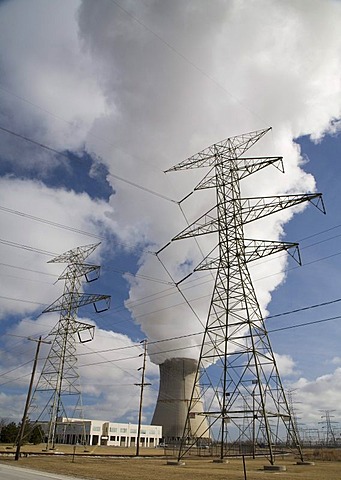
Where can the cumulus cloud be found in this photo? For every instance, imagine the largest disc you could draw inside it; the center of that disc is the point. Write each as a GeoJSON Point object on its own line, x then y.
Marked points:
{"type": "Point", "coordinates": [316, 396]}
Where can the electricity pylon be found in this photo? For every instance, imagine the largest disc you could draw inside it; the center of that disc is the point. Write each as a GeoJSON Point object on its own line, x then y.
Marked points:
{"type": "Point", "coordinates": [330, 440]}
{"type": "Point", "coordinates": [294, 417]}
{"type": "Point", "coordinates": [59, 376]}
{"type": "Point", "coordinates": [237, 373]}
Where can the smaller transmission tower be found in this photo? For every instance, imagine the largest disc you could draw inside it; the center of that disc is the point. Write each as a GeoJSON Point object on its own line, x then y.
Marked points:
{"type": "Point", "coordinates": [59, 378]}
{"type": "Point", "coordinates": [294, 418]}
{"type": "Point", "coordinates": [327, 425]}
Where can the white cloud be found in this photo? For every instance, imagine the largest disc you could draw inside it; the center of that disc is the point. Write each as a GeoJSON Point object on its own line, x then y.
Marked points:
{"type": "Point", "coordinates": [316, 396]}
{"type": "Point", "coordinates": [285, 363]}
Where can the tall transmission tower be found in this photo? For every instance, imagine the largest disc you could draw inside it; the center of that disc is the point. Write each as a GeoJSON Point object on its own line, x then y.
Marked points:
{"type": "Point", "coordinates": [59, 378]}
{"type": "Point", "coordinates": [237, 374]}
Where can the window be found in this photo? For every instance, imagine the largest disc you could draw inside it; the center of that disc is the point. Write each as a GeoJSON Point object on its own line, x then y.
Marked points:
{"type": "Point", "coordinates": [113, 439]}
{"type": "Point", "coordinates": [113, 429]}
{"type": "Point", "coordinates": [123, 430]}
{"type": "Point", "coordinates": [96, 429]}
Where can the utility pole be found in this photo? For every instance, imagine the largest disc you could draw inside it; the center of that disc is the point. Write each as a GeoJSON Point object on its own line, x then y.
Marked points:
{"type": "Point", "coordinates": [141, 385]}
{"type": "Point", "coordinates": [28, 398]}
{"type": "Point", "coordinates": [236, 363]}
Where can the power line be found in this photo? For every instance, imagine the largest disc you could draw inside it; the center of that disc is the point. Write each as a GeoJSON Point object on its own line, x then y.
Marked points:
{"type": "Point", "coordinates": [49, 222]}
{"type": "Point", "coordinates": [91, 134]}
{"type": "Point", "coordinates": [14, 379]}
{"type": "Point", "coordinates": [312, 322]}
{"type": "Point", "coordinates": [28, 269]}
{"type": "Point", "coordinates": [323, 304]}
{"type": "Point", "coordinates": [46, 147]}
{"type": "Point", "coordinates": [171, 290]}
{"type": "Point", "coordinates": [21, 300]}
{"type": "Point", "coordinates": [14, 369]}
{"type": "Point", "coordinates": [324, 320]}
{"type": "Point", "coordinates": [319, 233]}
{"type": "Point", "coordinates": [200, 333]}
{"type": "Point", "coordinates": [27, 247]}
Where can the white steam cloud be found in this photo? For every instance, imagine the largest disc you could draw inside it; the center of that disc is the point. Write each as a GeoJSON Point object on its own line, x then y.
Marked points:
{"type": "Point", "coordinates": [181, 79]}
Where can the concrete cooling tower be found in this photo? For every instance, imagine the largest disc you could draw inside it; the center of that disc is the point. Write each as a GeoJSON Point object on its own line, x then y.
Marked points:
{"type": "Point", "coordinates": [177, 376]}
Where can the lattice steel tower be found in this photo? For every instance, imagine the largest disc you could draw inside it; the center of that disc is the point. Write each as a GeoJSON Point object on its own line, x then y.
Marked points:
{"type": "Point", "coordinates": [237, 374]}
{"type": "Point", "coordinates": [330, 439]}
{"type": "Point", "coordinates": [59, 378]}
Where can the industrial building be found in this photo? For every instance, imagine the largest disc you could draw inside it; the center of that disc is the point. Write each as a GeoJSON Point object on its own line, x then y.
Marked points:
{"type": "Point", "coordinates": [99, 432]}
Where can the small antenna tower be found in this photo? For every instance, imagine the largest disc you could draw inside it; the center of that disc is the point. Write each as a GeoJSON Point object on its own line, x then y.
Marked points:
{"type": "Point", "coordinates": [237, 373]}
{"type": "Point", "coordinates": [59, 378]}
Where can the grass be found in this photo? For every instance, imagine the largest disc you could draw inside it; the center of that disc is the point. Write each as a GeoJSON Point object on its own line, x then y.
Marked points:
{"type": "Point", "coordinates": [100, 466]}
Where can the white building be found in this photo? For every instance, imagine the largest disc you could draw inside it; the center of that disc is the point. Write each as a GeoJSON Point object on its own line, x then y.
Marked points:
{"type": "Point", "coordinates": [99, 432]}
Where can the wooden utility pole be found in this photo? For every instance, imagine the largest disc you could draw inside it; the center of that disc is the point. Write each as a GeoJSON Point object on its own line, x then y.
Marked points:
{"type": "Point", "coordinates": [23, 421]}
{"type": "Point", "coordinates": [142, 384]}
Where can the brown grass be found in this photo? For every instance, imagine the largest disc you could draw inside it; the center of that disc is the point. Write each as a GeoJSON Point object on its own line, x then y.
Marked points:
{"type": "Point", "coordinates": [153, 467]}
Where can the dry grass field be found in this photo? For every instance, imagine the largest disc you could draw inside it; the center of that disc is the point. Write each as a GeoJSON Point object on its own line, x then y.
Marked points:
{"type": "Point", "coordinates": [97, 465]}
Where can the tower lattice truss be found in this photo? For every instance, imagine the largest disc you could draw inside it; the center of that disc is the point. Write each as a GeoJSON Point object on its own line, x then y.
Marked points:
{"type": "Point", "coordinates": [58, 390]}
{"type": "Point", "coordinates": [237, 377]}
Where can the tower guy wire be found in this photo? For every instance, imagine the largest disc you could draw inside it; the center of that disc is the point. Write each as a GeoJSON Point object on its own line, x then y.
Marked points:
{"type": "Point", "coordinates": [237, 373]}
{"type": "Point", "coordinates": [59, 379]}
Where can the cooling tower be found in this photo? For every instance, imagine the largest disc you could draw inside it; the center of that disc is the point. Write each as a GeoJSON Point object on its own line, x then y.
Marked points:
{"type": "Point", "coordinates": [177, 376]}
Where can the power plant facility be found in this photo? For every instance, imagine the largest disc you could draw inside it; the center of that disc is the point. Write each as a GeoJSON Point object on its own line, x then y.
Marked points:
{"type": "Point", "coordinates": [177, 377]}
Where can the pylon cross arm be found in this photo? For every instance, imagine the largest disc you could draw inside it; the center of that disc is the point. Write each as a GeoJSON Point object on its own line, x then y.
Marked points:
{"type": "Point", "coordinates": [76, 255]}
{"type": "Point", "coordinates": [232, 148]}
{"type": "Point", "coordinates": [207, 223]}
{"type": "Point", "coordinates": [74, 301]}
{"type": "Point", "coordinates": [245, 167]}
{"type": "Point", "coordinates": [254, 250]}
{"type": "Point", "coordinates": [259, 207]}
{"type": "Point", "coordinates": [80, 270]}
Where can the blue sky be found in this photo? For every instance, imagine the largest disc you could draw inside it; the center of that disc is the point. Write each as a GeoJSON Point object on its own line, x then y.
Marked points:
{"type": "Point", "coordinates": [124, 90]}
